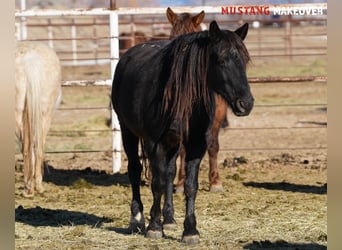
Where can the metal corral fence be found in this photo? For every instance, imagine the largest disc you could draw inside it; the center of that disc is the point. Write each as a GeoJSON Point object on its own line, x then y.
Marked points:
{"type": "Point", "coordinates": [91, 38]}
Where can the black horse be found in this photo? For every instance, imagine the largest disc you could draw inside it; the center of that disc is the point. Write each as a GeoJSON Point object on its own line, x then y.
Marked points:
{"type": "Point", "coordinates": [163, 94]}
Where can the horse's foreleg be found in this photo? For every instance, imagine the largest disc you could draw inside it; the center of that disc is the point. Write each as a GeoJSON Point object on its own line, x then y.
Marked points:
{"type": "Point", "coordinates": [162, 157]}
{"type": "Point", "coordinates": [194, 155]}
{"type": "Point", "coordinates": [163, 165]}
{"type": "Point", "coordinates": [181, 170]}
{"type": "Point", "coordinates": [130, 143]}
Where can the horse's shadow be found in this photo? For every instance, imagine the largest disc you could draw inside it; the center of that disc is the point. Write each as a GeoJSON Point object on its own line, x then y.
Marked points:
{"type": "Point", "coordinates": [120, 230]}
{"type": "Point", "coordinates": [69, 177]}
{"type": "Point", "coordinates": [289, 187]}
{"type": "Point", "coordinates": [283, 245]}
{"type": "Point", "coordinates": [38, 216]}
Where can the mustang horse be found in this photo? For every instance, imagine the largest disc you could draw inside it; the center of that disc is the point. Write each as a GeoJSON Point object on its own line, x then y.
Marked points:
{"type": "Point", "coordinates": [164, 95]}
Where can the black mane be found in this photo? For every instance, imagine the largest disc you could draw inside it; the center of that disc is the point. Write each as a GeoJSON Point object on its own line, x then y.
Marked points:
{"type": "Point", "coordinates": [188, 57]}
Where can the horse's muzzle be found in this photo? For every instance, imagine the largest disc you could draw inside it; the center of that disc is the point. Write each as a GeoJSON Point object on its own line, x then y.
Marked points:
{"type": "Point", "coordinates": [243, 107]}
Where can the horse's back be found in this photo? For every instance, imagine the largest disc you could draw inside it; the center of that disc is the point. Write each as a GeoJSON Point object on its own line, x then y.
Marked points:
{"type": "Point", "coordinates": [141, 56]}
{"type": "Point", "coordinates": [38, 65]}
{"type": "Point", "coordinates": [39, 59]}
{"type": "Point", "coordinates": [137, 83]}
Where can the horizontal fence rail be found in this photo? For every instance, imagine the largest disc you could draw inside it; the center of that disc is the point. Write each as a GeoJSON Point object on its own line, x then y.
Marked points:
{"type": "Point", "coordinates": [151, 11]}
{"type": "Point", "coordinates": [292, 79]}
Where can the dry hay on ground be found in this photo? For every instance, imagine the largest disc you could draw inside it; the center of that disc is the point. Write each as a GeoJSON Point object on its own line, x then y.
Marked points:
{"type": "Point", "coordinates": [267, 203]}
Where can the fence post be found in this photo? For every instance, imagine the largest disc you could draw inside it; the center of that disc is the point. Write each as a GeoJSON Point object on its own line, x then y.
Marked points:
{"type": "Point", "coordinates": [74, 42]}
{"type": "Point", "coordinates": [23, 28]}
{"type": "Point", "coordinates": [114, 57]}
{"type": "Point", "coordinates": [50, 33]}
{"type": "Point", "coordinates": [95, 41]}
{"type": "Point", "coordinates": [288, 36]}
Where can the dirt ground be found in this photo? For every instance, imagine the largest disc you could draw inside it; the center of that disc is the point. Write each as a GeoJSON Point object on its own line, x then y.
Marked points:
{"type": "Point", "coordinates": [275, 180]}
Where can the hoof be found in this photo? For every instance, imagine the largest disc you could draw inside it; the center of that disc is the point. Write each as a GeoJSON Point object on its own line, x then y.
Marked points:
{"type": "Point", "coordinates": [153, 234]}
{"type": "Point", "coordinates": [136, 228]}
{"type": "Point", "coordinates": [137, 224]}
{"type": "Point", "coordinates": [191, 239]}
{"type": "Point", "coordinates": [170, 226]}
{"type": "Point", "coordinates": [216, 188]}
{"type": "Point", "coordinates": [40, 190]}
{"type": "Point", "coordinates": [27, 193]}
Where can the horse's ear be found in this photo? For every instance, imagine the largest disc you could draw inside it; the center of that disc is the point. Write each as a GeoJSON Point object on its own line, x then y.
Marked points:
{"type": "Point", "coordinates": [171, 16]}
{"type": "Point", "coordinates": [214, 31]}
{"type": "Point", "coordinates": [196, 20]}
{"type": "Point", "coordinates": [242, 31]}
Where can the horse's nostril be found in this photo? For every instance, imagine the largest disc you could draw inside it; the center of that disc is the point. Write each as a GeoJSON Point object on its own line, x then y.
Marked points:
{"type": "Point", "coordinates": [241, 106]}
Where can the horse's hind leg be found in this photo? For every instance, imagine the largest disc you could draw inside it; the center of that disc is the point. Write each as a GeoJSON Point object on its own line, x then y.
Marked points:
{"type": "Point", "coordinates": [38, 178]}
{"type": "Point", "coordinates": [131, 143]}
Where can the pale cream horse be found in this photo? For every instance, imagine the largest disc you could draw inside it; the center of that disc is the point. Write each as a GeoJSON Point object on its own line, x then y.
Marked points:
{"type": "Point", "coordinates": [37, 94]}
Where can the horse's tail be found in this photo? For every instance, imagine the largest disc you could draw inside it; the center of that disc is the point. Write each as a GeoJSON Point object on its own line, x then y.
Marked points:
{"type": "Point", "coordinates": [32, 121]}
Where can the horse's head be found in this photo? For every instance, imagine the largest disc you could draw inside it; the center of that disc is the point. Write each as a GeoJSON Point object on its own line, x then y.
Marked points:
{"type": "Point", "coordinates": [227, 68]}
{"type": "Point", "coordinates": [184, 23]}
